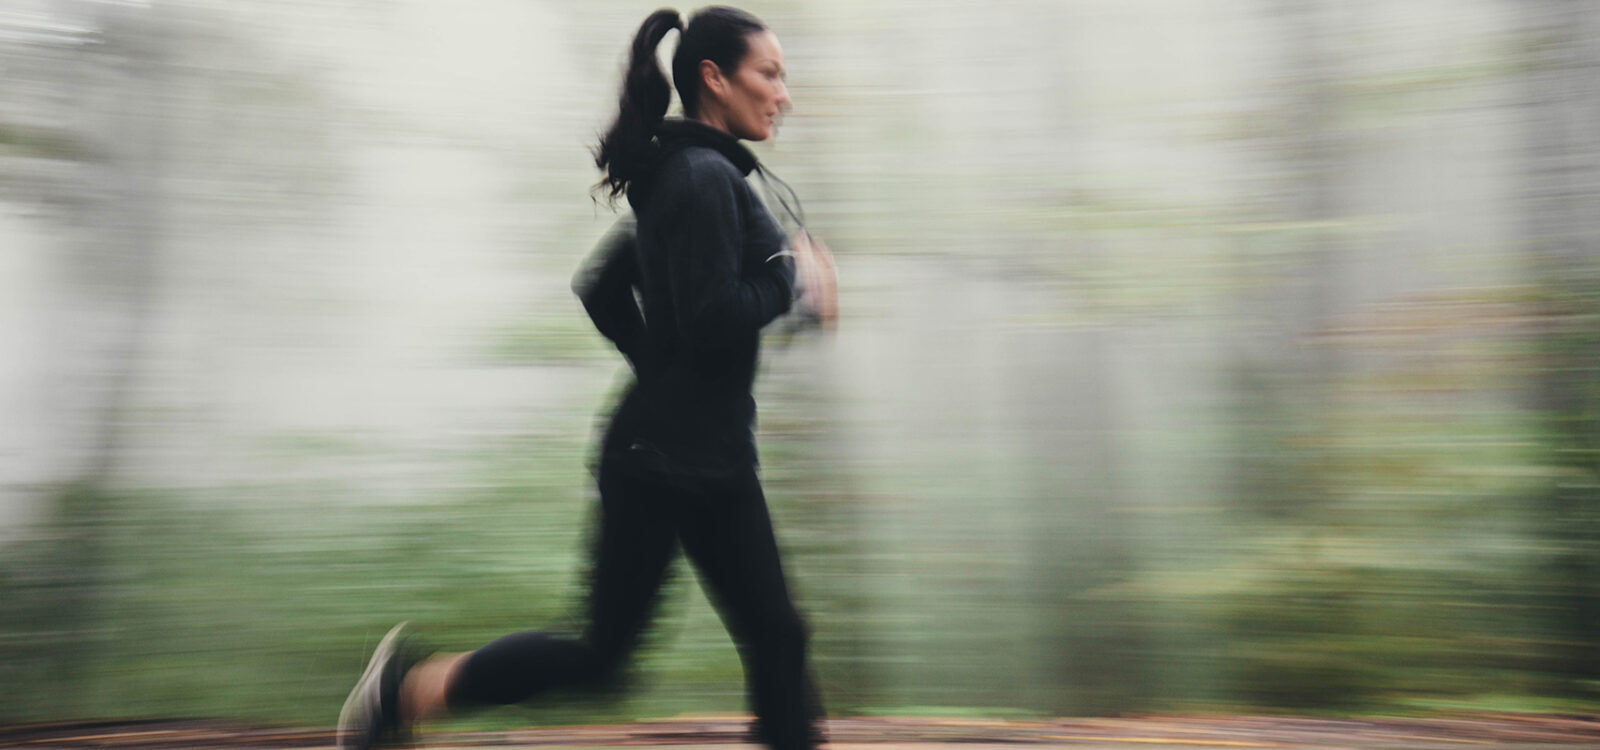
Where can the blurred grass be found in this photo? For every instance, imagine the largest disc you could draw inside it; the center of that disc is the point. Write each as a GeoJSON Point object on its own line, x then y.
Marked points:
{"type": "Point", "coordinates": [256, 609]}
{"type": "Point", "coordinates": [264, 603]}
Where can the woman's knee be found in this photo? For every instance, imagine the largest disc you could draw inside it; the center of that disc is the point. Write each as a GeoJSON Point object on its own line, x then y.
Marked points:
{"type": "Point", "coordinates": [787, 633]}
{"type": "Point", "coordinates": [606, 662]}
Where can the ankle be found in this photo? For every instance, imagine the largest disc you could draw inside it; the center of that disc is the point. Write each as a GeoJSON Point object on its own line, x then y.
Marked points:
{"type": "Point", "coordinates": [425, 689]}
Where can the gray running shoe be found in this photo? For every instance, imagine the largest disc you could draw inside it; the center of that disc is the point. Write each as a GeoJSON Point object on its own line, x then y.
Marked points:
{"type": "Point", "coordinates": [371, 715]}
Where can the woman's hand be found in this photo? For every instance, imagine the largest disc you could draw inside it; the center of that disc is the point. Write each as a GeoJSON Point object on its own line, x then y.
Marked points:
{"type": "Point", "coordinates": [817, 276]}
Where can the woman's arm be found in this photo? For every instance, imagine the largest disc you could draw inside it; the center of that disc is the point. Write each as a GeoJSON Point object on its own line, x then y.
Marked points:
{"type": "Point", "coordinates": [604, 283]}
{"type": "Point", "coordinates": [717, 301]}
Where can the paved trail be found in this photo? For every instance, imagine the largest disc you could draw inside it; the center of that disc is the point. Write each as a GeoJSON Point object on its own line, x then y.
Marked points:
{"type": "Point", "coordinates": [1507, 731]}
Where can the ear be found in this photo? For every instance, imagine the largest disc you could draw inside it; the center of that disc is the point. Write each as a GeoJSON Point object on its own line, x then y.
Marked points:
{"type": "Point", "coordinates": [711, 78]}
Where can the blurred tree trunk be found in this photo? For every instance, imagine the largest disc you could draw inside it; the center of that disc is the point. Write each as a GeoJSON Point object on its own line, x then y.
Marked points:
{"type": "Point", "coordinates": [1092, 636]}
{"type": "Point", "coordinates": [125, 229]}
{"type": "Point", "coordinates": [114, 85]}
{"type": "Point", "coordinates": [1292, 367]}
{"type": "Point", "coordinates": [1287, 394]}
{"type": "Point", "coordinates": [1312, 155]}
{"type": "Point", "coordinates": [1562, 210]}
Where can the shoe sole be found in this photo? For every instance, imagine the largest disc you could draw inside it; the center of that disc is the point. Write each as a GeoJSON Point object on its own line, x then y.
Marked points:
{"type": "Point", "coordinates": [365, 689]}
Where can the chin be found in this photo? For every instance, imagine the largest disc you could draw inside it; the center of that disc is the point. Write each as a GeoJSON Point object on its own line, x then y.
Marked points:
{"type": "Point", "coordinates": [759, 132]}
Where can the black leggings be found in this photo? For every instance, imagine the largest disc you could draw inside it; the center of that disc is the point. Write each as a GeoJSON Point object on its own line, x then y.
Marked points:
{"type": "Point", "coordinates": [726, 532]}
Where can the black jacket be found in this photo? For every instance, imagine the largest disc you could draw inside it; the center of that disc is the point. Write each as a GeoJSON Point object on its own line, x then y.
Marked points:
{"type": "Point", "coordinates": [709, 266]}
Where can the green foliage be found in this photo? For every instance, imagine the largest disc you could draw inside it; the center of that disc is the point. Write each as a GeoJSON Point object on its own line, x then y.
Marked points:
{"type": "Point", "coordinates": [41, 143]}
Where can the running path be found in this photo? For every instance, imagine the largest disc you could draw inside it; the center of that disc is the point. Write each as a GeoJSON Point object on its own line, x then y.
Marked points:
{"type": "Point", "coordinates": [1497, 730]}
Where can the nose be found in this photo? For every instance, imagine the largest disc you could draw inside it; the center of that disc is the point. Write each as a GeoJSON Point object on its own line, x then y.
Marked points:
{"type": "Point", "coordinates": [784, 103]}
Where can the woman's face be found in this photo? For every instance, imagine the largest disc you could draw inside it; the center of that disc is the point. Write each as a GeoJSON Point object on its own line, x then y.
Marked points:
{"type": "Point", "coordinates": [755, 97]}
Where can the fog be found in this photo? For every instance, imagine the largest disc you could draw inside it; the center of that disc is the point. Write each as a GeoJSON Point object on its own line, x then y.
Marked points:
{"type": "Point", "coordinates": [1193, 356]}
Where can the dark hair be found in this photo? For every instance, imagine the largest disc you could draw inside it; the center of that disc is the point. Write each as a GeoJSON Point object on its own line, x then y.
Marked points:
{"type": "Point", "coordinates": [717, 33]}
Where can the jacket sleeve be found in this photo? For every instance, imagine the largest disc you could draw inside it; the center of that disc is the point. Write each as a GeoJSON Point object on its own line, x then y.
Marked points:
{"type": "Point", "coordinates": [605, 282]}
{"type": "Point", "coordinates": [719, 298]}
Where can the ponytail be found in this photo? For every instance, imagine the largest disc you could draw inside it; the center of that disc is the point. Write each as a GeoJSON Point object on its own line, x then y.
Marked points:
{"type": "Point", "coordinates": [624, 152]}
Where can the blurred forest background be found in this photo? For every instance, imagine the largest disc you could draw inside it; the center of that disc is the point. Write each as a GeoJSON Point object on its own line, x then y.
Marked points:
{"type": "Point", "coordinates": [1197, 355]}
